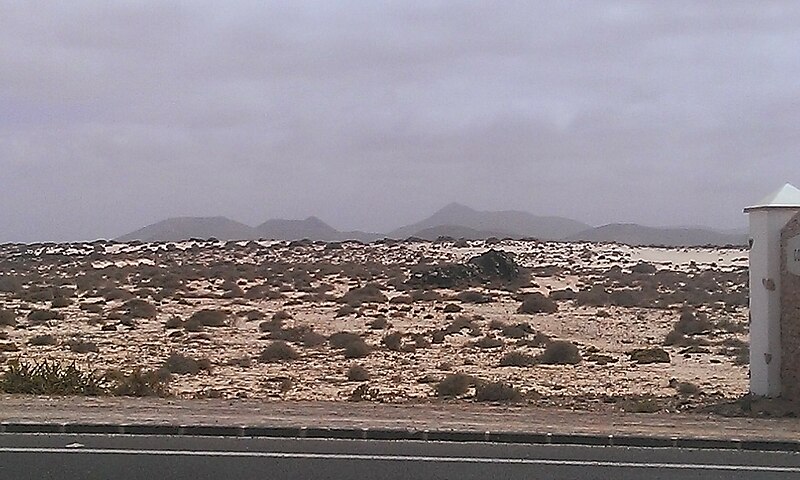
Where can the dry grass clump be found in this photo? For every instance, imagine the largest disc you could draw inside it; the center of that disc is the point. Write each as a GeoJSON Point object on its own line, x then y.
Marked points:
{"type": "Point", "coordinates": [691, 323]}
{"type": "Point", "coordinates": [537, 303]}
{"type": "Point", "coordinates": [519, 330]}
{"type": "Point", "coordinates": [496, 392]}
{"type": "Point", "coordinates": [60, 302]}
{"type": "Point", "coordinates": [462, 322]}
{"type": "Point", "coordinates": [91, 307]}
{"type": "Point", "coordinates": [454, 385]}
{"type": "Point", "coordinates": [345, 310]}
{"type": "Point", "coordinates": [10, 284]}
{"type": "Point", "coordinates": [393, 341]}
{"type": "Point", "coordinates": [180, 364]}
{"type": "Point", "coordinates": [517, 359]}
{"type": "Point", "coordinates": [649, 355]}
{"type": "Point", "coordinates": [378, 323]}
{"type": "Point", "coordinates": [560, 352]}
{"type": "Point", "coordinates": [173, 322]}
{"type": "Point", "coordinates": [452, 308]}
{"type": "Point", "coordinates": [343, 339]}
{"type": "Point", "coordinates": [594, 297]}
{"type": "Point", "coordinates": [488, 342]}
{"type": "Point", "coordinates": [140, 383]}
{"type": "Point", "coordinates": [357, 373]}
{"type": "Point", "coordinates": [278, 351]}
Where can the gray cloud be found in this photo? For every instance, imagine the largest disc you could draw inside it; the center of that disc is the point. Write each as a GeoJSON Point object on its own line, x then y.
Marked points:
{"type": "Point", "coordinates": [373, 114]}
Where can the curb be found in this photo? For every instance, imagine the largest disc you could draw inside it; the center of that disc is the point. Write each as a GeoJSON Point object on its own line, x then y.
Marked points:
{"type": "Point", "coordinates": [400, 435]}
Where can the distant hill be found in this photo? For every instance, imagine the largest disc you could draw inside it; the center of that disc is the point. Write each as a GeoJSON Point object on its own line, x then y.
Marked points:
{"type": "Point", "coordinates": [455, 231]}
{"type": "Point", "coordinates": [222, 228]}
{"type": "Point", "coordinates": [632, 234]}
{"type": "Point", "coordinates": [507, 223]}
{"type": "Point", "coordinates": [184, 228]}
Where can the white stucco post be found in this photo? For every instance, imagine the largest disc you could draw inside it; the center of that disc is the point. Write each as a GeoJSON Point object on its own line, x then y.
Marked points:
{"type": "Point", "coordinates": [767, 219]}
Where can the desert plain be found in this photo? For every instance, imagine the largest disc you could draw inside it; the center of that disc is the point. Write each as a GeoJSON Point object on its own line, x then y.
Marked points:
{"type": "Point", "coordinates": [586, 326]}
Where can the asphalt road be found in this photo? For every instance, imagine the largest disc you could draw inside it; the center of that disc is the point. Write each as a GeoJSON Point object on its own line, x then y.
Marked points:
{"type": "Point", "coordinates": [95, 456]}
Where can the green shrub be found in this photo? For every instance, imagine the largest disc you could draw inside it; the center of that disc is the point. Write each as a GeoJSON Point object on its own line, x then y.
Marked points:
{"type": "Point", "coordinates": [50, 378]}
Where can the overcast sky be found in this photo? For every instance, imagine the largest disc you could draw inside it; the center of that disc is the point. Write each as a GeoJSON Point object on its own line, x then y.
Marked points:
{"type": "Point", "coordinates": [371, 115]}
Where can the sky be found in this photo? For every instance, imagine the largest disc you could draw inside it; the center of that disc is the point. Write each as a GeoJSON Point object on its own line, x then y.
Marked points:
{"type": "Point", "coordinates": [372, 115]}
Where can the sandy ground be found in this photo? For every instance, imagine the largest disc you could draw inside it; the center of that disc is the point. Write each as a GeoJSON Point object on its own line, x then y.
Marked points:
{"type": "Point", "coordinates": [320, 372]}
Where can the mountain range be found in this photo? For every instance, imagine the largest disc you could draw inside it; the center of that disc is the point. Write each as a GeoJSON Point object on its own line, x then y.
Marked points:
{"type": "Point", "coordinates": [454, 220]}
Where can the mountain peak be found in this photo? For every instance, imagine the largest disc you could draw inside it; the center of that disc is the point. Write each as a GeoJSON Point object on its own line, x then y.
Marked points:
{"type": "Point", "coordinates": [455, 208]}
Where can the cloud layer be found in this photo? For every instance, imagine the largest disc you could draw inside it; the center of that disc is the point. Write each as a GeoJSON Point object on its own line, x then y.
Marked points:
{"type": "Point", "coordinates": [373, 114]}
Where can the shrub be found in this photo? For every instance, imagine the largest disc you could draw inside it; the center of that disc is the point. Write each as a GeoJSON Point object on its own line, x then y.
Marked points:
{"type": "Point", "coordinates": [10, 284]}
{"type": "Point", "coordinates": [60, 302]}
{"type": "Point", "coordinates": [42, 316]}
{"type": "Point", "coordinates": [517, 359]}
{"type": "Point", "coordinates": [206, 318]}
{"type": "Point", "coordinates": [454, 385]}
{"type": "Point", "coordinates": [50, 378]}
{"type": "Point", "coordinates": [8, 318]}
{"type": "Point", "coordinates": [393, 341]}
{"type": "Point", "coordinates": [312, 339]}
{"type": "Point", "coordinates": [140, 383]}
{"type": "Point", "coordinates": [369, 293]}
{"type": "Point", "coordinates": [675, 338]}
{"type": "Point", "coordinates": [379, 323]}
{"type": "Point", "coordinates": [644, 268]}
{"type": "Point", "coordinates": [41, 340]}
{"type": "Point", "coordinates": [471, 296]}
{"type": "Point", "coordinates": [496, 392]}
{"type": "Point", "coordinates": [345, 310]}
{"type": "Point", "coordinates": [488, 342]}
{"type": "Point", "coordinates": [181, 364]}
{"type": "Point", "coordinates": [594, 297]}
{"type": "Point", "coordinates": [82, 346]}
{"type": "Point", "coordinates": [404, 299]}
{"type": "Point", "coordinates": [452, 308]}
{"type": "Point", "coordinates": [357, 373]}
{"type": "Point", "coordinates": [649, 355]}
{"type": "Point", "coordinates": [281, 315]}
{"type": "Point", "coordinates": [560, 353]}
{"type": "Point", "coordinates": [173, 322]}
{"type": "Point", "coordinates": [138, 308]}
{"type": "Point", "coordinates": [342, 339]}
{"type": "Point", "coordinates": [537, 303]}
{"type": "Point", "coordinates": [691, 323]}
{"type": "Point", "coordinates": [278, 351]}
{"type": "Point", "coordinates": [519, 330]}
{"type": "Point", "coordinates": [357, 349]}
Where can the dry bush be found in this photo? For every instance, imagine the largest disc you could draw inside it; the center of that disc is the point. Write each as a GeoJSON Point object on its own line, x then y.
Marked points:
{"type": "Point", "coordinates": [402, 299]}
{"type": "Point", "coordinates": [496, 392]}
{"type": "Point", "coordinates": [138, 308]}
{"type": "Point", "coordinates": [517, 359]}
{"type": "Point", "coordinates": [281, 315]}
{"type": "Point", "coordinates": [312, 339]}
{"type": "Point", "coordinates": [357, 349]}
{"type": "Point", "coordinates": [594, 297]}
{"type": "Point", "coordinates": [378, 323]}
{"type": "Point", "coordinates": [180, 364]}
{"type": "Point", "coordinates": [140, 383]}
{"type": "Point", "coordinates": [8, 318]}
{"type": "Point", "coordinates": [82, 346]}
{"type": "Point", "coordinates": [60, 302]}
{"type": "Point", "coordinates": [116, 294]}
{"type": "Point", "coordinates": [369, 293]}
{"type": "Point", "coordinates": [357, 373]}
{"type": "Point", "coordinates": [537, 303]}
{"type": "Point", "coordinates": [488, 342]}
{"type": "Point", "coordinates": [393, 341]}
{"type": "Point", "coordinates": [472, 296]}
{"type": "Point", "coordinates": [452, 308]}
{"type": "Point", "coordinates": [454, 385]}
{"type": "Point", "coordinates": [343, 339]}
{"type": "Point", "coordinates": [649, 355]}
{"type": "Point", "coordinates": [42, 340]}
{"type": "Point", "coordinates": [565, 294]}
{"type": "Point", "coordinates": [173, 322]}
{"type": "Point", "coordinates": [50, 378]}
{"type": "Point", "coordinates": [644, 268]}
{"type": "Point", "coordinates": [560, 352]}
{"type": "Point", "coordinates": [277, 351]}
{"type": "Point", "coordinates": [345, 310]}
{"type": "Point", "coordinates": [36, 317]}
{"type": "Point", "coordinates": [520, 330]}
{"type": "Point", "coordinates": [10, 284]}
{"type": "Point", "coordinates": [425, 295]}
{"type": "Point", "coordinates": [691, 323]}
{"type": "Point", "coordinates": [206, 318]}
{"type": "Point", "coordinates": [461, 322]}
{"type": "Point", "coordinates": [91, 307]}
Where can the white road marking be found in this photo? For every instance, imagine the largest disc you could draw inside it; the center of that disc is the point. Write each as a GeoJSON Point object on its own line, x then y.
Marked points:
{"type": "Point", "coordinates": [406, 458]}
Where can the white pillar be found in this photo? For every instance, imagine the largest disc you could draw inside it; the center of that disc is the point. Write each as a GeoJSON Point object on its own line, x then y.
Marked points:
{"type": "Point", "coordinates": [767, 219]}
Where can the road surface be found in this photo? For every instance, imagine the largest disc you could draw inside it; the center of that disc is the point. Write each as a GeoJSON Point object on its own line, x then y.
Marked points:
{"type": "Point", "coordinates": [148, 457]}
